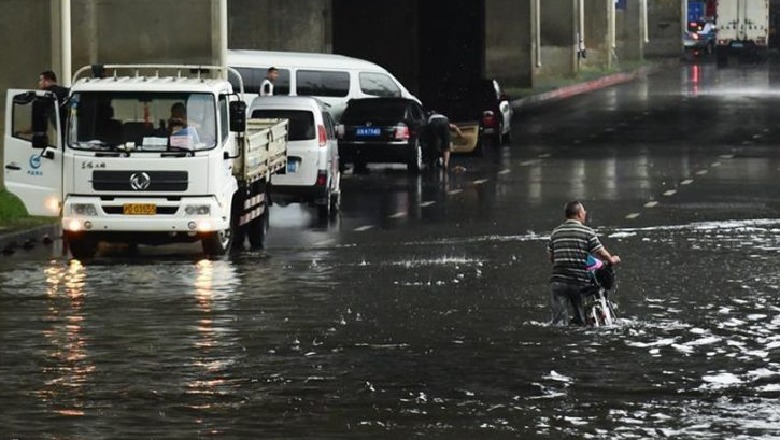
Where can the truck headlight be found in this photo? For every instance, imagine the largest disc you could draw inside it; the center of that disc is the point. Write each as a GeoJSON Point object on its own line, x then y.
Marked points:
{"type": "Point", "coordinates": [197, 209]}
{"type": "Point", "coordinates": [87, 209]}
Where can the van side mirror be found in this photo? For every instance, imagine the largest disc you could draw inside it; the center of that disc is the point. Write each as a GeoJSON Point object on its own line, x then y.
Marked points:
{"type": "Point", "coordinates": [237, 116]}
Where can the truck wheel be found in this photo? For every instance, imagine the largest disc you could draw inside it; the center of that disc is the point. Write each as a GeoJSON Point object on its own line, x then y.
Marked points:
{"type": "Point", "coordinates": [81, 246]}
{"type": "Point", "coordinates": [218, 242]}
{"type": "Point", "coordinates": [415, 162]}
{"type": "Point", "coordinates": [258, 231]}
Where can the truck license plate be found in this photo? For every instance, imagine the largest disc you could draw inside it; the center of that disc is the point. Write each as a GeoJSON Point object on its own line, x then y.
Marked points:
{"type": "Point", "coordinates": [139, 209]}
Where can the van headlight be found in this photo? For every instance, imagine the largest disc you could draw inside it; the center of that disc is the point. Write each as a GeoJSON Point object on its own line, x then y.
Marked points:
{"type": "Point", "coordinates": [197, 209]}
{"type": "Point", "coordinates": [86, 209]}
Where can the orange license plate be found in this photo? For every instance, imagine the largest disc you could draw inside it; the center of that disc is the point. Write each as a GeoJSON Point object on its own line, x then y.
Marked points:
{"type": "Point", "coordinates": [139, 209]}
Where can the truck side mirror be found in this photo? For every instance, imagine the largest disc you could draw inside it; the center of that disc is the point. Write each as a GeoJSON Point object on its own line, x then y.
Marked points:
{"type": "Point", "coordinates": [237, 116]}
{"type": "Point", "coordinates": [42, 109]}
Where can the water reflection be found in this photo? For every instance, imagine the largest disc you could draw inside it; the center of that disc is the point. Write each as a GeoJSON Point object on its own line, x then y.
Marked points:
{"type": "Point", "coordinates": [68, 365]}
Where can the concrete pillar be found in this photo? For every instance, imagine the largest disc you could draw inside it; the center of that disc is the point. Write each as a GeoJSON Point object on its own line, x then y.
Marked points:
{"type": "Point", "coordinates": [630, 44]}
{"type": "Point", "coordinates": [598, 30]}
{"type": "Point", "coordinates": [558, 21]}
{"type": "Point", "coordinates": [508, 42]}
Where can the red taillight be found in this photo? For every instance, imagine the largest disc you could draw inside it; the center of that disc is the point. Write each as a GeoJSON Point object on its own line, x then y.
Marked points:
{"type": "Point", "coordinates": [401, 132]}
{"type": "Point", "coordinates": [322, 178]}
{"type": "Point", "coordinates": [489, 119]}
{"type": "Point", "coordinates": [322, 135]}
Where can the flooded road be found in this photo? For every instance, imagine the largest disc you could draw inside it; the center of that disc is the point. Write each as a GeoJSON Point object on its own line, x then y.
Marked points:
{"type": "Point", "coordinates": [422, 311]}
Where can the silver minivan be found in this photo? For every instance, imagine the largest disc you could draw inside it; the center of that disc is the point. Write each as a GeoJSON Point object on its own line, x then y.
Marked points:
{"type": "Point", "coordinates": [334, 79]}
{"type": "Point", "coordinates": [312, 175]}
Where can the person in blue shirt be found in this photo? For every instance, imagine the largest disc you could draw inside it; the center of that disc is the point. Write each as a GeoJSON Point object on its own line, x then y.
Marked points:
{"type": "Point", "coordinates": [181, 135]}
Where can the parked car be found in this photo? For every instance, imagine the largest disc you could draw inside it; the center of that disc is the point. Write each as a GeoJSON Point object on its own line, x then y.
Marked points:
{"type": "Point", "coordinates": [479, 102]}
{"type": "Point", "coordinates": [700, 38]}
{"type": "Point", "coordinates": [382, 130]}
{"type": "Point", "coordinates": [312, 175]}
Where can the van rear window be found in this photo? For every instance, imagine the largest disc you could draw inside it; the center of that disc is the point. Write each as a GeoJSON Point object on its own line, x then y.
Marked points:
{"type": "Point", "coordinates": [300, 126]}
{"type": "Point", "coordinates": [378, 84]}
{"type": "Point", "coordinates": [322, 83]}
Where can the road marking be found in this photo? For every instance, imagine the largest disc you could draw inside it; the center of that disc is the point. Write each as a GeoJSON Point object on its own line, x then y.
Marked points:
{"type": "Point", "coordinates": [686, 182]}
{"type": "Point", "coordinates": [670, 192]}
{"type": "Point", "coordinates": [632, 215]}
{"type": "Point", "coordinates": [455, 192]}
{"type": "Point", "coordinates": [545, 155]}
{"type": "Point", "coordinates": [651, 204]}
{"type": "Point", "coordinates": [715, 164]}
{"type": "Point", "coordinates": [398, 215]}
{"type": "Point", "coordinates": [364, 228]}
{"type": "Point", "coordinates": [480, 181]}
{"type": "Point", "coordinates": [427, 204]}
{"type": "Point", "coordinates": [702, 172]}
{"type": "Point", "coordinates": [525, 163]}
{"type": "Point", "coordinates": [505, 171]}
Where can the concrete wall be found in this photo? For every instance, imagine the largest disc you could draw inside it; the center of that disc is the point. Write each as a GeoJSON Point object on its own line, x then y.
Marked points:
{"type": "Point", "coordinates": [508, 36]}
{"type": "Point", "coordinates": [285, 25]}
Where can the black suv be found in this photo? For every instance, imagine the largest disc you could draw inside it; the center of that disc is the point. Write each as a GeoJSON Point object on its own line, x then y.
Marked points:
{"type": "Point", "coordinates": [382, 130]}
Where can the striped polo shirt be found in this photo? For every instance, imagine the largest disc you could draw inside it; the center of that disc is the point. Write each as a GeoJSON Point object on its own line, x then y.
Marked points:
{"type": "Point", "coordinates": [570, 243]}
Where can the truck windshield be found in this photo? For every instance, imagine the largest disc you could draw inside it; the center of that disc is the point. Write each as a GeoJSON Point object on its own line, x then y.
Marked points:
{"type": "Point", "coordinates": [142, 121]}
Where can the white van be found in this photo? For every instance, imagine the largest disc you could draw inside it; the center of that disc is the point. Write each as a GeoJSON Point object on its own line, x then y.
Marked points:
{"type": "Point", "coordinates": [334, 79]}
{"type": "Point", "coordinates": [312, 174]}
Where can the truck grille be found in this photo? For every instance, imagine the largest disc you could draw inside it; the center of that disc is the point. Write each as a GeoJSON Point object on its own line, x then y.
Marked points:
{"type": "Point", "coordinates": [104, 180]}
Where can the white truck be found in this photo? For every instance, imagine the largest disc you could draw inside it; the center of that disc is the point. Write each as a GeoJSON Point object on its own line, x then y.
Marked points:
{"type": "Point", "coordinates": [147, 154]}
{"type": "Point", "coordinates": [743, 30]}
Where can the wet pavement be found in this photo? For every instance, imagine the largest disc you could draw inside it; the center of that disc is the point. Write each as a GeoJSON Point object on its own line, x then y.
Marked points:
{"type": "Point", "coordinates": [422, 310]}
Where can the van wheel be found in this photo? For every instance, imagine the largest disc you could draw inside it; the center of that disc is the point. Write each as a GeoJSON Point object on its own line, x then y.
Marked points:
{"type": "Point", "coordinates": [323, 209]}
{"type": "Point", "coordinates": [415, 162]}
{"type": "Point", "coordinates": [81, 246]}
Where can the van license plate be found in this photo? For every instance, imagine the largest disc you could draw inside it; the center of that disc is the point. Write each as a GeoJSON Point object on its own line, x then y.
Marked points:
{"type": "Point", "coordinates": [369, 131]}
{"type": "Point", "coordinates": [139, 209]}
{"type": "Point", "coordinates": [292, 165]}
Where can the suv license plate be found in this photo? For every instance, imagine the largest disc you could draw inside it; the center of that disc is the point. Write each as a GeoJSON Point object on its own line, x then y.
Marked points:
{"type": "Point", "coordinates": [369, 131]}
{"type": "Point", "coordinates": [139, 209]}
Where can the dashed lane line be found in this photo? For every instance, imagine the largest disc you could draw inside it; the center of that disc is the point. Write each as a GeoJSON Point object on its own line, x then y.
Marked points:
{"type": "Point", "coordinates": [670, 192]}
{"type": "Point", "coordinates": [702, 172]}
{"type": "Point", "coordinates": [364, 228]}
{"type": "Point", "coordinates": [716, 164]}
{"type": "Point", "coordinates": [397, 215]}
{"type": "Point", "coordinates": [686, 182]}
{"type": "Point", "coordinates": [651, 204]}
{"type": "Point", "coordinates": [455, 192]}
{"type": "Point", "coordinates": [633, 215]}
{"type": "Point", "coordinates": [480, 181]}
{"type": "Point", "coordinates": [427, 204]}
{"type": "Point", "coordinates": [505, 171]}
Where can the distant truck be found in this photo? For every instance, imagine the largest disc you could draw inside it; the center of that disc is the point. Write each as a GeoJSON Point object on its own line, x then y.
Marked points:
{"type": "Point", "coordinates": [743, 30]}
{"type": "Point", "coordinates": [144, 154]}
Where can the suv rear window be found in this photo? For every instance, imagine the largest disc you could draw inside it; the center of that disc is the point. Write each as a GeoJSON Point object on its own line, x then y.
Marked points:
{"type": "Point", "coordinates": [322, 83]}
{"type": "Point", "coordinates": [300, 127]}
{"type": "Point", "coordinates": [376, 109]}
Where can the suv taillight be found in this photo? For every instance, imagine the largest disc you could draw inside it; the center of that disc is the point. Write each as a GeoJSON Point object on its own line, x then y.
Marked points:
{"type": "Point", "coordinates": [401, 132]}
{"type": "Point", "coordinates": [322, 135]}
{"type": "Point", "coordinates": [489, 119]}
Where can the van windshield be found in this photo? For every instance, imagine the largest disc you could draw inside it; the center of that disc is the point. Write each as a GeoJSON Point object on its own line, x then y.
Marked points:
{"type": "Point", "coordinates": [300, 126]}
{"type": "Point", "coordinates": [142, 121]}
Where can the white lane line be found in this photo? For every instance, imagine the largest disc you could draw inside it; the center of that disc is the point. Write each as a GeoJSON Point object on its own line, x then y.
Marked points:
{"type": "Point", "coordinates": [670, 192]}
{"type": "Point", "coordinates": [545, 155]}
{"type": "Point", "coordinates": [397, 215]}
{"type": "Point", "coordinates": [455, 192]}
{"type": "Point", "coordinates": [686, 182]}
{"type": "Point", "coordinates": [702, 172]}
{"type": "Point", "coordinates": [364, 228]}
{"type": "Point", "coordinates": [715, 164]}
{"type": "Point", "coordinates": [324, 243]}
{"type": "Point", "coordinates": [525, 163]}
{"type": "Point", "coordinates": [505, 171]}
{"type": "Point", "coordinates": [726, 156]}
{"type": "Point", "coordinates": [427, 204]}
{"type": "Point", "coordinates": [479, 181]}
{"type": "Point", "coordinates": [632, 215]}
{"type": "Point", "coordinates": [651, 204]}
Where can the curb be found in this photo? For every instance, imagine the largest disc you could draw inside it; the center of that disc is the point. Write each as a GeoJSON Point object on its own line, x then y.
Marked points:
{"type": "Point", "coordinates": [587, 86]}
{"type": "Point", "coordinates": [29, 238]}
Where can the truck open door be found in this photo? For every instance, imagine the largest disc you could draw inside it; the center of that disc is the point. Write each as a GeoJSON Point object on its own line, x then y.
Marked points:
{"type": "Point", "coordinates": [33, 150]}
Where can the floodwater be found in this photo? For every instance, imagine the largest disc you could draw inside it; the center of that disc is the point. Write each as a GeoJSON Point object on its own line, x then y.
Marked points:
{"type": "Point", "coordinates": [422, 312]}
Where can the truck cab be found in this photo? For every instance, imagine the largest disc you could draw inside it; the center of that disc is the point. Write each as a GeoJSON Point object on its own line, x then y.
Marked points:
{"type": "Point", "coordinates": [140, 159]}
